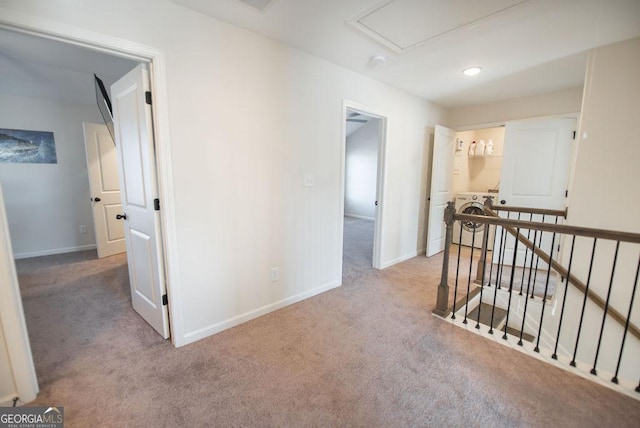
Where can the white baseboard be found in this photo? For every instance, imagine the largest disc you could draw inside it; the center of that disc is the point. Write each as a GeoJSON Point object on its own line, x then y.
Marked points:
{"type": "Point", "coordinates": [361, 217]}
{"type": "Point", "coordinates": [248, 316]}
{"type": "Point", "coordinates": [54, 251]}
{"type": "Point", "coordinates": [401, 259]}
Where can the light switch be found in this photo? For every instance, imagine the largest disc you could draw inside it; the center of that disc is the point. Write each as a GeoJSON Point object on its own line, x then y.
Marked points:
{"type": "Point", "coordinates": [309, 180]}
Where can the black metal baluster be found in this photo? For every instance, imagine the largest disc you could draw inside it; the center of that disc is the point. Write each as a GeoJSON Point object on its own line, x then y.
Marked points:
{"type": "Point", "coordinates": [473, 242]}
{"type": "Point", "coordinates": [485, 238]}
{"type": "Point", "coordinates": [455, 290]}
{"type": "Point", "coordinates": [492, 251]}
{"type": "Point", "coordinates": [535, 274]}
{"type": "Point", "coordinates": [526, 301]}
{"type": "Point", "coordinates": [495, 234]}
{"type": "Point", "coordinates": [606, 308]}
{"type": "Point", "coordinates": [503, 246]}
{"type": "Point", "coordinates": [564, 299]}
{"type": "Point", "coordinates": [626, 326]}
{"type": "Point", "coordinates": [513, 271]}
{"type": "Point", "coordinates": [544, 299]}
{"type": "Point", "coordinates": [526, 254]}
{"type": "Point", "coordinates": [495, 290]}
{"type": "Point", "coordinates": [584, 302]}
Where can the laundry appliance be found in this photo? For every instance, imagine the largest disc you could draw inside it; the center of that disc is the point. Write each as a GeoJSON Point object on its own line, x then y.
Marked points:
{"type": "Point", "coordinates": [471, 203]}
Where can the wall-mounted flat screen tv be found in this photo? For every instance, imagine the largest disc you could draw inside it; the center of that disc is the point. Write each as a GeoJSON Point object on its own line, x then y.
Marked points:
{"type": "Point", "coordinates": [104, 104]}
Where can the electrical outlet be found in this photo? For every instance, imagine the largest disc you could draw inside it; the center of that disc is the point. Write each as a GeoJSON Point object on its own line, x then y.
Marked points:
{"type": "Point", "coordinates": [83, 229]}
{"type": "Point", "coordinates": [275, 273]}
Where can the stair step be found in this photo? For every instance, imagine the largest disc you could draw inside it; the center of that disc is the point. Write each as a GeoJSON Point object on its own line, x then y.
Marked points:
{"type": "Point", "coordinates": [485, 315]}
{"type": "Point", "coordinates": [521, 273]}
{"type": "Point", "coordinates": [463, 301]}
{"type": "Point", "coordinates": [515, 332]}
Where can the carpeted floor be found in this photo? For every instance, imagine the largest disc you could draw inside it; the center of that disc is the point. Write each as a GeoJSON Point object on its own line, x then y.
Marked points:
{"type": "Point", "coordinates": [366, 354]}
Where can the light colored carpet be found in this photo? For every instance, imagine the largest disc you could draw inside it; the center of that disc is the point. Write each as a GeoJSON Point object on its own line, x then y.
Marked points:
{"type": "Point", "coordinates": [366, 354]}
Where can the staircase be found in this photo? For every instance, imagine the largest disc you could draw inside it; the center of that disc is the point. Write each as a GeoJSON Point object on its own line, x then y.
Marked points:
{"type": "Point", "coordinates": [555, 305]}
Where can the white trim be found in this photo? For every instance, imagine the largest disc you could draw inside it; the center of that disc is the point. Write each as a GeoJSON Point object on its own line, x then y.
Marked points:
{"type": "Point", "coordinates": [402, 258]}
{"type": "Point", "coordinates": [361, 217]}
{"type": "Point", "coordinates": [40, 27]}
{"type": "Point", "coordinates": [378, 237]}
{"type": "Point", "coordinates": [583, 370]}
{"type": "Point", "coordinates": [12, 319]}
{"type": "Point", "coordinates": [54, 251]}
{"type": "Point", "coordinates": [248, 316]}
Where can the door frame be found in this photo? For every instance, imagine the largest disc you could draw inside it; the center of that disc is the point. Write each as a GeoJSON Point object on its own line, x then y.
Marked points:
{"type": "Point", "coordinates": [573, 156]}
{"type": "Point", "coordinates": [12, 321]}
{"type": "Point", "coordinates": [378, 236]}
{"type": "Point", "coordinates": [19, 22]}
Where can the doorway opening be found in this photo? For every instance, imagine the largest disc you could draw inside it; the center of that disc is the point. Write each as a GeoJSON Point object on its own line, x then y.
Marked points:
{"type": "Point", "coordinates": [363, 164]}
{"type": "Point", "coordinates": [85, 41]}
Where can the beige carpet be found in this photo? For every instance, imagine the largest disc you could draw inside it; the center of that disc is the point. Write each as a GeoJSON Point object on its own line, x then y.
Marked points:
{"type": "Point", "coordinates": [366, 354]}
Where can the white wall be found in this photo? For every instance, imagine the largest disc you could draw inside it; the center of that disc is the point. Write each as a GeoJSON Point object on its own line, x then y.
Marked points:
{"type": "Point", "coordinates": [361, 160]}
{"type": "Point", "coordinates": [559, 102]}
{"type": "Point", "coordinates": [46, 203]}
{"type": "Point", "coordinates": [248, 118]}
{"type": "Point", "coordinates": [603, 195]}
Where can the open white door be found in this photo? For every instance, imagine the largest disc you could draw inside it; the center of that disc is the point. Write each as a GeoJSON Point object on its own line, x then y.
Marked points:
{"type": "Point", "coordinates": [138, 184]}
{"type": "Point", "coordinates": [535, 163]}
{"type": "Point", "coordinates": [535, 172]}
{"type": "Point", "coordinates": [17, 371]}
{"type": "Point", "coordinates": [102, 166]}
{"type": "Point", "coordinates": [441, 187]}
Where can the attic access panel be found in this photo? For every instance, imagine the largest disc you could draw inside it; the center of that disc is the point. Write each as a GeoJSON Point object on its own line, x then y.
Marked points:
{"type": "Point", "coordinates": [405, 24]}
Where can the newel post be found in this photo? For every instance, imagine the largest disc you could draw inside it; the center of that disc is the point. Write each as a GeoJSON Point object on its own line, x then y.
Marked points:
{"type": "Point", "coordinates": [480, 274]}
{"type": "Point", "coordinates": [442, 304]}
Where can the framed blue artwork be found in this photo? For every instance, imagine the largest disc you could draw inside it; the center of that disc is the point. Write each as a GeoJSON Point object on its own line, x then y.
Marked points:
{"type": "Point", "coordinates": [20, 146]}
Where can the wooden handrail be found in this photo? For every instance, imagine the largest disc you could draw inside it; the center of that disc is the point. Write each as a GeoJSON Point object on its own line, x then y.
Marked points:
{"type": "Point", "coordinates": [542, 211]}
{"type": "Point", "coordinates": [488, 203]}
{"type": "Point", "coordinates": [512, 225]}
{"type": "Point", "coordinates": [493, 218]}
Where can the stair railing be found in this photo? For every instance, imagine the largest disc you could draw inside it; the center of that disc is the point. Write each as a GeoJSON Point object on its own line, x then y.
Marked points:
{"type": "Point", "coordinates": [528, 265]}
{"type": "Point", "coordinates": [545, 214]}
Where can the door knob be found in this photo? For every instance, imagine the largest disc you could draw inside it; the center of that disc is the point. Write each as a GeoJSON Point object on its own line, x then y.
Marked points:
{"type": "Point", "coordinates": [503, 202]}
{"type": "Point", "coordinates": [121, 216]}
{"type": "Point", "coordinates": [96, 199]}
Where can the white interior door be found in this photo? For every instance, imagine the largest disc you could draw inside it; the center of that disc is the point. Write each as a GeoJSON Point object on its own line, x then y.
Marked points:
{"type": "Point", "coordinates": [535, 172]}
{"type": "Point", "coordinates": [441, 187]}
{"type": "Point", "coordinates": [535, 163]}
{"type": "Point", "coordinates": [104, 183]}
{"type": "Point", "coordinates": [138, 184]}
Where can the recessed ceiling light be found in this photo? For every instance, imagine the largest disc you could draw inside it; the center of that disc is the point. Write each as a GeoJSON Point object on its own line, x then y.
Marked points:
{"type": "Point", "coordinates": [471, 71]}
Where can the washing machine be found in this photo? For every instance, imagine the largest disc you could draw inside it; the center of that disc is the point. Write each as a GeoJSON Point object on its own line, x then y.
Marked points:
{"type": "Point", "coordinates": [471, 203]}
